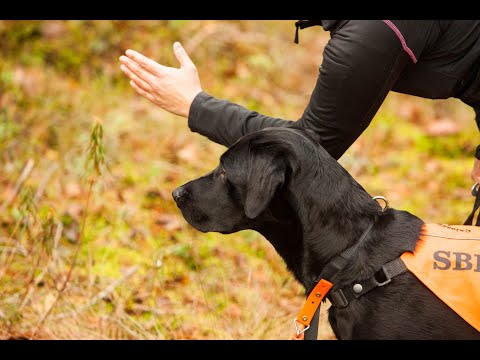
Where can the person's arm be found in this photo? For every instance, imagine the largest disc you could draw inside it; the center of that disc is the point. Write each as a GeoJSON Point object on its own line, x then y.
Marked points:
{"type": "Point", "coordinates": [361, 63]}
{"type": "Point", "coordinates": [225, 122]}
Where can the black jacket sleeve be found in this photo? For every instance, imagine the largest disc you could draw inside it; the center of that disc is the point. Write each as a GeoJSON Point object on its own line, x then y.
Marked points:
{"type": "Point", "coordinates": [225, 122]}
{"type": "Point", "coordinates": [361, 64]}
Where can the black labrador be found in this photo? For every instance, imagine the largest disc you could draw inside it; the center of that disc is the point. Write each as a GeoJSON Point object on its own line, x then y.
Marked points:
{"type": "Point", "coordinates": [283, 184]}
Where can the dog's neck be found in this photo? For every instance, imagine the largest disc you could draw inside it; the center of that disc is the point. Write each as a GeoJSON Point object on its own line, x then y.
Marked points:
{"type": "Point", "coordinates": [309, 224]}
{"type": "Point", "coordinates": [310, 236]}
{"type": "Point", "coordinates": [322, 222]}
{"type": "Point", "coordinates": [307, 244]}
{"type": "Point", "coordinates": [336, 221]}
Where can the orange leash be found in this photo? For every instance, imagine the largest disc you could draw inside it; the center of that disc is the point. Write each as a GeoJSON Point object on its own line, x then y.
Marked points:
{"type": "Point", "coordinates": [313, 301]}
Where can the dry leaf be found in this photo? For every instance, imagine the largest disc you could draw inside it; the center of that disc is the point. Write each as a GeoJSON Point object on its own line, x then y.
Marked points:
{"type": "Point", "coordinates": [169, 222]}
{"type": "Point", "coordinates": [73, 190]}
{"type": "Point", "coordinates": [442, 127]}
{"type": "Point", "coordinates": [189, 153]}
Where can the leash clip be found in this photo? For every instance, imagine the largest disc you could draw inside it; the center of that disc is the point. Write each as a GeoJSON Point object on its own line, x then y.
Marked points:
{"type": "Point", "coordinates": [299, 332]}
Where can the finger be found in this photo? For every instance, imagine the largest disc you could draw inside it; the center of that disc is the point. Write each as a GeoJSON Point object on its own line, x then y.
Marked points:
{"type": "Point", "coordinates": [182, 55]}
{"type": "Point", "coordinates": [141, 91]}
{"type": "Point", "coordinates": [144, 85]}
{"type": "Point", "coordinates": [145, 62]}
{"type": "Point", "coordinates": [136, 69]}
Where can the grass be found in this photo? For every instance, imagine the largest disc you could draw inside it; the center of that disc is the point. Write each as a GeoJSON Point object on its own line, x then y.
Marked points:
{"type": "Point", "coordinates": [141, 272]}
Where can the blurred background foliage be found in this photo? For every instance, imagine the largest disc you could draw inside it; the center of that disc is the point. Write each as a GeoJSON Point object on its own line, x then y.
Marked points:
{"type": "Point", "coordinates": [106, 254]}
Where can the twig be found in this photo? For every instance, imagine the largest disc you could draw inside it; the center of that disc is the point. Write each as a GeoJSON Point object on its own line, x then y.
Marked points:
{"type": "Point", "coordinates": [57, 237]}
{"type": "Point", "coordinates": [6, 239]}
{"type": "Point", "coordinates": [7, 259]}
{"type": "Point", "coordinates": [72, 265]}
{"type": "Point", "coordinates": [169, 166]}
{"type": "Point", "coordinates": [44, 182]}
{"type": "Point", "coordinates": [14, 249]}
{"type": "Point", "coordinates": [99, 295]}
{"type": "Point", "coordinates": [139, 327]}
{"type": "Point", "coordinates": [145, 308]}
{"type": "Point", "coordinates": [31, 286]}
{"type": "Point", "coordinates": [200, 36]}
{"type": "Point", "coordinates": [224, 33]}
{"type": "Point", "coordinates": [95, 157]}
{"type": "Point", "coordinates": [57, 262]}
{"type": "Point", "coordinates": [23, 176]}
{"type": "Point", "coordinates": [19, 248]}
{"type": "Point", "coordinates": [131, 332]}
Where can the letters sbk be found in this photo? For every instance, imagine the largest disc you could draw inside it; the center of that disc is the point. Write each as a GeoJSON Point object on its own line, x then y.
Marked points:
{"type": "Point", "coordinates": [447, 260]}
{"type": "Point", "coordinates": [459, 260]}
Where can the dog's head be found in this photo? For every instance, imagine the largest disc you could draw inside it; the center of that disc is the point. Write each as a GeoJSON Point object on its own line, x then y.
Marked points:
{"type": "Point", "coordinates": [255, 171]}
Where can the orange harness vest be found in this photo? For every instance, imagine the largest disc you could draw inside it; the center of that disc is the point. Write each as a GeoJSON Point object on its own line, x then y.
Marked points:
{"type": "Point", "coordinates": [447, 260]}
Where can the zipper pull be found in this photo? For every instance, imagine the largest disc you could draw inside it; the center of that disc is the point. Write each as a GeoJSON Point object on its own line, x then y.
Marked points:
{"type": "Point", "coordinates": [302, 24]}
{"type": "Point", "coordinates": [297, 24]}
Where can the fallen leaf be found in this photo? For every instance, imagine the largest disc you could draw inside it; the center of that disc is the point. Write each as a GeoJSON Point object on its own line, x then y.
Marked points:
{"type": "Point", "coordinates": [30, 81]}
{"type": "Point", "coordinates": [189, 153]}
{"type": "Point", "coordinates": [412, 111]}
{"type": "Point", "coordinates": [169, 222]}
{"type": "Point", "coordinates": [73, 190]}
{"type": "Point", "coordinates": [233, 311]}
{"type": "Point", "coordinates": [53, 29]}
{"type": "Point", "coordinates": [442, 127]}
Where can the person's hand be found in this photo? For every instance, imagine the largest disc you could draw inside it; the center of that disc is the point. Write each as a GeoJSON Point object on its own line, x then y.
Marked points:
{"type": "Point", "coordinates": [170, 88]}
{"type": "Point", "coordinates": [476, 171]}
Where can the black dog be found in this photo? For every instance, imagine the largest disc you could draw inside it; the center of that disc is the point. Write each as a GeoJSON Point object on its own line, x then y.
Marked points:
{"type": "Point", "coordinates": [283, 184]}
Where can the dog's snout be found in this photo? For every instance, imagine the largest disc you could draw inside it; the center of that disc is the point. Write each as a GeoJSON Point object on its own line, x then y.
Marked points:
{"type": "Point", "coordinates": [179, 194]}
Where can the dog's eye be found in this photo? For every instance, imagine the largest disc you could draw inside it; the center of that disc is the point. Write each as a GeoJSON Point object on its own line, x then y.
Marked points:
{"type": "Point", "coordinates": [222, 173]}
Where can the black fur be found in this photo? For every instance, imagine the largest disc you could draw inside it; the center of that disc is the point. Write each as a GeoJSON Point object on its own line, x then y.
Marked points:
{"type": "Point", "coordinates": [281, 183]}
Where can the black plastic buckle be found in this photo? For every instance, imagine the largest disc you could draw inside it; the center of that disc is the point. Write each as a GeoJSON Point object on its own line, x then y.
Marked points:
{"type": "Point", "coordinates": [383, 275]}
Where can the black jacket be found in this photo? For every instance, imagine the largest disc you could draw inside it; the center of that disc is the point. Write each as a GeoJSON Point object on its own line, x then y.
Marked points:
{"type": "Point", "coordinates": [362, 62]}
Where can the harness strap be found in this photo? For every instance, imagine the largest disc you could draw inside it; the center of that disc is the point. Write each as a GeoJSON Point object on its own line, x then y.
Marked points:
{"type": "Point", "coordinates": [332, 268]}
{"type": "Point", "coordinates": [342, 297]}
{"type": "Point", "coordinates": [476, 193]}
{"type": "Point", "coordinates": [340, 261]}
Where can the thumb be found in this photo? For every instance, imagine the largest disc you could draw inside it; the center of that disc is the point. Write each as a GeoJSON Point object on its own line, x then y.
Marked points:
{"type": "Point", "coordinates": [182, 56]}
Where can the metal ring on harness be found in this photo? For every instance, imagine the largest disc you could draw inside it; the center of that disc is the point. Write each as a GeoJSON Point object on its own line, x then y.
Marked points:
{"type": "Point", "coordinates": [475, 189]}
{"type": "Point", "coordinates": [384, 200]}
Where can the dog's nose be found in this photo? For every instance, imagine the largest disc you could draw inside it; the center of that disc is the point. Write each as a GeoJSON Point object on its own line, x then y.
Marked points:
{"type": "Point", "coordinates": [179, 194]}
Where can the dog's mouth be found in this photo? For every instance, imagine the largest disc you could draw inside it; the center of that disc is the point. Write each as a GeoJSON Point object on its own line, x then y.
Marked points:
{"type": "Point", "coordinates": [205, 223]}
{"type": "Point", "coordinates": [195, 217]}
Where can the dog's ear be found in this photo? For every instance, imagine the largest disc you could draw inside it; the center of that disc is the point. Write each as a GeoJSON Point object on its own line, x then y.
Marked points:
{"type": "Point", "coordinates": [265, 176]}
